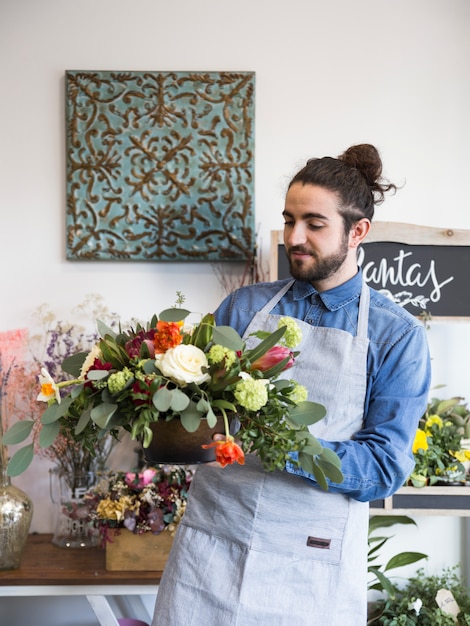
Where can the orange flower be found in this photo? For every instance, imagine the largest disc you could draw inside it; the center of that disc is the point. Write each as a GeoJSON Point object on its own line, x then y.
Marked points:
{"type": "Point", "coordinates": [227, 451]}
{"type": "Point", "coordinates": [167, 336]}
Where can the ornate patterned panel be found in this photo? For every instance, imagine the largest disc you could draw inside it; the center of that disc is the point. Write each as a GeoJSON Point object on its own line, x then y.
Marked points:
{"type": "Point", "coordinates": [160, 165]}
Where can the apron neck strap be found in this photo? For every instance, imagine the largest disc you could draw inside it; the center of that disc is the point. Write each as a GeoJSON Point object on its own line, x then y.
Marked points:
{"type": "Point", "coordinates": [364, 301]}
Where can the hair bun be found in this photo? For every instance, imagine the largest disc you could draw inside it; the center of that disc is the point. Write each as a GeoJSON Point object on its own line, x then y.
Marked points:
{"type": "Point", "coordinates": [366, 159]}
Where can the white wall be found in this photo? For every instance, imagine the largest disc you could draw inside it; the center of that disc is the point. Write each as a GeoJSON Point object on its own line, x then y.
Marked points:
{"type": "Point", "coordinates": [328, 74]}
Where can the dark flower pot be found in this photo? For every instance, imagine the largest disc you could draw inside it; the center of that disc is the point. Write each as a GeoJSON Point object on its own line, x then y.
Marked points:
{"type": "Point", "coordinates": [174, 445]}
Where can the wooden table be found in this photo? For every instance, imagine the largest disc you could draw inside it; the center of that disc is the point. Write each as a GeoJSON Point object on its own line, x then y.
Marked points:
{"type": "Point", "coordinates": [47, 570]}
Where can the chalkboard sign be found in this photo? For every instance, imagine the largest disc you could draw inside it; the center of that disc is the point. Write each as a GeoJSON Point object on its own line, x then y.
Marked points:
{"type": "Point", "coordinates": [423, 269]}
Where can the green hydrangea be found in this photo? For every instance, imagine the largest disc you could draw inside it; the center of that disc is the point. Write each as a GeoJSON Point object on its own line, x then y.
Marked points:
{"type": "Point", "coordinates": [299, 393]}
{"type": "Point", "coordinates": [293, 335]}
{"type": "Point", "coordinates": [118, 380]}
{"type": "Point", "coordinates": [251, 394]}
{"type": "Point", "coordinates": [218, 353]}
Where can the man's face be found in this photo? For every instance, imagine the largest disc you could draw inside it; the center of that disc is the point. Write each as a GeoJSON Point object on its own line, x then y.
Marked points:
{"type": "Point", "coordinates": [317, 247]}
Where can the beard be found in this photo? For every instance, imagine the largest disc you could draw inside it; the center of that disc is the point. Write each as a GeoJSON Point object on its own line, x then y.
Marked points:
{"type": "Point", "coordinates": [322, 267]}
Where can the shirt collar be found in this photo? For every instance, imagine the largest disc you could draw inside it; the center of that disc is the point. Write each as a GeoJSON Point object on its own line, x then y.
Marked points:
{"type": "Point", "coordinates": [335, 298]}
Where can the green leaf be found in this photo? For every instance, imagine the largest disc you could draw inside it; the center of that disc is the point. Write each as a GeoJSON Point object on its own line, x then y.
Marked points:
{"type": "Point", "coordinates": [331, 465]}
{"type": "Point", "coordinates": [385, 583]}
{"type": "Point", "coordinates": [202, 334]}
{"type": "Point", "coordinates": [312, 450]}
{"type": "Point", "coordinates": [102, 413]}
{"type": "Point", "coordinates": [306, 413]}
{"type": "Point", "coordinates": [104, 330]}
{"type": "Point", "coordinates": [48, 434]}
{"type": "Point", "coordinates": [211, 418]}
{"type": "Point", "coordinates": [307, 463]}
{"type": "Point", "coordinates": [162, 399]}
{"type": "Point", "coordinates": [179, 400]}
{"type": "Point", "coordinates": [228, 337]}
{"type": "Point", "coordinates": [83, 421]}
{"type": "Point", "coordinates": [21, 460]}
{"type": "Point", "coordinates": [261, 349]}
{"type": "Point", "coordinates": [190, 418]}
{"type": "Point", "coordinates": [97, 374]}
{"type": "Point", "coordinates": [384, 521]}
{"type": "Point", "coordinates": [149, 367]}
{"type": "Point", "coordinates": [73, 364]}
{"type": "Point", "coordinates": [55, 411]}
{"type": "Point", "coordinates": [224, 404]}
{"type": "Point", "coordinates": [77, 390]}
{"type": "Point", "coordinates": [18, 432]}
{"type": "Point", "coordinates": [174, 314]}
{"type": "Point", "coordinates": [405, 558]}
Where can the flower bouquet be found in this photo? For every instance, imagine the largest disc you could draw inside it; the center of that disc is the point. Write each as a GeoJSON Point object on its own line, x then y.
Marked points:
{"type": "Point", "coordinates": [150, 500]}
{"type": "Point", "coordinates": [137, 513]}
{"type": "Point", "coordinates": [165, 371]}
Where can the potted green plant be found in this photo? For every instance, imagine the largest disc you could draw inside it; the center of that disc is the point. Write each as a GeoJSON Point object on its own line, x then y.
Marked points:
{"type": "Point", "coordinates": [428, 600]}
{"type": "Point", "coordinates": [441, 449]}
{"type": "Point", "coordinates": [380, 579]}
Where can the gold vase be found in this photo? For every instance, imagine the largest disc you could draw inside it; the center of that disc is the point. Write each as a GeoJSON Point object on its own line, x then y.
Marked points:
{"type": "Point", "coordinates": [16, 513]}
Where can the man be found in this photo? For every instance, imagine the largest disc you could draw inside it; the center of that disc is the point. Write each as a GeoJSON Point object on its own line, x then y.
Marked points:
{"type": "Point", "coordinates": [272, 548]}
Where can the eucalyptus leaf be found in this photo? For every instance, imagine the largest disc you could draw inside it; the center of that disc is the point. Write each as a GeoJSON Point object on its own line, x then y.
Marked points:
{"type": "Point", "coordinates": [77, 390]}
{"type": "Point", "coordinates": [319, 476]}
{"type": "Point", "coordinates": [102, 413]}
{"type": "Point", "coordinates": [162, 399]}
{"type": "Point", "coordinates": [73, 364]}
{"type": "Point", "coordinates": [97, 374]}
{"type": "Point", "coordinates": [190, 419]}
{"type": "Point", "coordinates": [179, 400]}
{"type": "Point", "coordinates": [149, 367]}
{"type": "Point", "coordinates": [211, 417]}
{"type": "Point", "coordinates": [307, 413]}
{"type": "Point", "coordinates": [21, 460]}
{"type": "Point", "coordinates": [48, 434]}
{"type": "Point", "coordinates": [174, 314]}
{"type": "Point", "coordinates": [55, 411]}
{"type": "Point", "coordinates": [18, 432]}
{"type": "Point", "coordinates": [330, 464]}
{"type": "Point", "coordinates": [307, 463]}
{"type": "Point", "coordinates": [82, 423]}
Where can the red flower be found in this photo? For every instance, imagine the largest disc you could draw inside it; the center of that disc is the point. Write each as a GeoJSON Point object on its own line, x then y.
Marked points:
{"type": "Point", "coordinates": [272, 357]}
{"type": "Point", "coordinates": [133, 345]}
{"type": "Point", "coordinates": [227, 451]}
{"type": "Point", "coordinates": [168, 336]}
{"type": "Point", "coordinates": [98, 364]}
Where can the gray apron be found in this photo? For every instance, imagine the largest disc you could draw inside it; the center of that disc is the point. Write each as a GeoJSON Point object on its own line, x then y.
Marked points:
{"type": "Point", "coordinates": [266, 548]}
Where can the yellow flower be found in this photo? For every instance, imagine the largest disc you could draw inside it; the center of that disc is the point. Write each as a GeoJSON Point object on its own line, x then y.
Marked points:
{"type": "Point", "coordinates": [420, 442]}
{"type": "Point", "coordinates": [462, 455]}
{"type": "Point", "coordinates": [115, 509]}
{"type": "Point", "coordinates": [433, 419]}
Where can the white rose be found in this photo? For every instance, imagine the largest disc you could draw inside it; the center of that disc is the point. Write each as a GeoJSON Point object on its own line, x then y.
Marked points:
{"type": "Point", "coordinates": [183, 364]}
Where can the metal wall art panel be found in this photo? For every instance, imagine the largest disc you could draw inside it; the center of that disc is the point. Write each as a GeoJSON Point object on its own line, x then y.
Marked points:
{"type": "Point", "coordinates": [160, 165]}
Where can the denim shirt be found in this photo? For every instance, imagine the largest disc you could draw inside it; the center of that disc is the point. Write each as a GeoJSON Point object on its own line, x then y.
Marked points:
{"type": "Point", "coordinates": [378, 459]}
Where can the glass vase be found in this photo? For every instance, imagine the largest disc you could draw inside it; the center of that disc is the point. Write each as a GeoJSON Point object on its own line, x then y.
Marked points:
{"type": "Point", "coordinates": [73, 525]}
{"type": "Point", "coordinates": [16, 513]}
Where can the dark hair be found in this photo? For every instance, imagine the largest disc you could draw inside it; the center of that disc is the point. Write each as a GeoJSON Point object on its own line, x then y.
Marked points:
{"type": "Point", "coordinates": [356, 176]}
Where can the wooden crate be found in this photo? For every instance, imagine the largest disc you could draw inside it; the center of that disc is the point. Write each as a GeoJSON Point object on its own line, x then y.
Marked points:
{"type": "Point", "coordinates": [145, 552]}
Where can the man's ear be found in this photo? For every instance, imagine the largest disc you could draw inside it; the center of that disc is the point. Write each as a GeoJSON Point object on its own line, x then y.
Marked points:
{"type": "Point", "coordinates": [359, 232]}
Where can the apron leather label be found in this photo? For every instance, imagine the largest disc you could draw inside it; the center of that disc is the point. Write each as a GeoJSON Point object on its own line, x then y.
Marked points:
{"type": "Point", "coordinates": [318, 542]}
